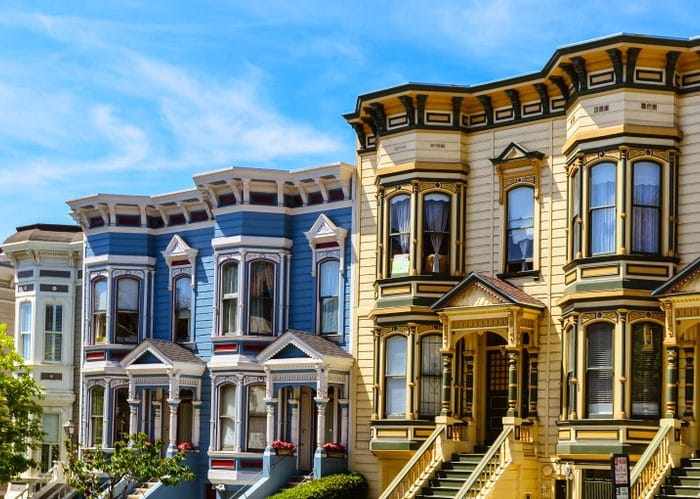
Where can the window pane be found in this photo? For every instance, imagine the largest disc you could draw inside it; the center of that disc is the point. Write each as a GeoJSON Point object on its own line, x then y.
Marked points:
{"type": "Point", "coordinates": [520, 228]}
{"type": "Point", "coordinates": [395, 396]}
{"type": "Point", "coordinates": [436, 236]}
{"type": "Point", "coordinates": [227, 403]}
{"type": "Point", "coordinates": [396, 356]}
{"type": "Point", "coordinates": [183, 308]}
{"type": "Point", "coordinates": [121, 414]}
{"type": "Point", "coordinates": [227, 415]}
{"type": "Point", "coordinates": [431, 371]}
{"type": "Point", "coordinates": [599, 369]}
{"type": "Point", "coordinates": [128, 294]}
{"type": "Point", "coordinates": [262, 297]}
{"type": "Point", "coordinates": [646, 370]}
{"type": "Point", "coordinates": [127, 323]}
{"type": "Point", "coordinates": [96, 415]}
{"type": "Point", "coordinates": [257, 419]}
{"type": "Point", "coordinates": [646, 200]}
{"type": "Point", "coordinates": [99, 300]}
{"type": "Point", "coordinates": [602, 206]}
{"type": "Point", "coordinates": [399, 234]}
{"type": "Point", "coordinates": [329, 275]}
{"type": "Point", "coordinates": [230, 279]}
{"type": "Point", "coordinates": [26, 317]}
{"type": "Point", "coordinates": [99, 310]}
{"type": "Point", "coordinates": [395, 376]}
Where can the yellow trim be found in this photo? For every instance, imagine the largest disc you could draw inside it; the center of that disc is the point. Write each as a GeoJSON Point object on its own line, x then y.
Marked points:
{"type": "Point", "coordinates": [570, 277]}
{"type": "Point", "coordinates": [600, 271]}
{"type": "Point", "coordinates": [392, 433]}
{"type": "Point", "coordinates": [603, 294]}
{"type": "Point", "coordinates": [433, 288]}
{"type": "Point", "coordinates": [422, 433]}
{"type": "Point", "coordinates": [602, 133]}
{"type": "Point", "coordinates": [564, 434]}
{"type": "Point", "coordinates": [647, 270]}
{"type": "Point", "coordinates": [640, 434]}
{"type": "Point", "coordinates": [424, 165]}
{"type": "Point", "coordinates": [597, 435]}
{"type": "Point", "coordinates": [396, 290]}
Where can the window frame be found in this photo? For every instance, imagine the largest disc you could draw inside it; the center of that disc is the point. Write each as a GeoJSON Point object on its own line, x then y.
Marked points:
{"type": "Point", "coordinates": [175, 319]}
{"type": "Point", "coordinates": [320, 299]}
{"type": "Point", "coordinates": [230, 297]}
{"type": "Point", "coordinates": [394, 377]}
{"type": "Point", "coordinates": [530, 263]}
{"type": "Point", "coordinates": [435, 377]}
{"type": "Point", "coordinates": [390, 235]}
{"type": "Point", "coordinates": [426, 244]}
{"type": "Point", "coordinates": [258, 416]}
{"type": "Point", "coordinates": [590, 209]}
{"type": "Point", "coordinates": [99, 317]}
{"type": "Point", "coordinates": [25, 330]}
{"type": "Point", "coordinates": [658, 207]}
{"type": "Point", "coordinates": [600, 369]}
{"type": "Point", "coordinates": [55, 334]}
{"type": "Point", "coordinates": [118, 311]}
{"type": "Point", "coordinates": [273, 299]}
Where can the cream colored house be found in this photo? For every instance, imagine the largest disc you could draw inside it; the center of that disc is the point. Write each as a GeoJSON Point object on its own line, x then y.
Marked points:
{"type": "Point", "coordinates": [527, 284]}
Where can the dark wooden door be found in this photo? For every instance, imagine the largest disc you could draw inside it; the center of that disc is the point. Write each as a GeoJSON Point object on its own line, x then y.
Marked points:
{"type": "Point", "coordinates": [496, 394]}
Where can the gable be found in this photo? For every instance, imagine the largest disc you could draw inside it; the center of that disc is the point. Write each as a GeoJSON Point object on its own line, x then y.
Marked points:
{"type": "Point", "coordinates": [475, 295]}
{"type": "Point", "coordinates": [146, 357]}
{"type": "Point", "coordinates": [690, 284]}
{"type": "Point", "coordinates": [290, 352]}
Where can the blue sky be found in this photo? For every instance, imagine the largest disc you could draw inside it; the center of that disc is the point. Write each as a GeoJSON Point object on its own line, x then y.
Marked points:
{"type": "Point", "coordinates": [135, 97]}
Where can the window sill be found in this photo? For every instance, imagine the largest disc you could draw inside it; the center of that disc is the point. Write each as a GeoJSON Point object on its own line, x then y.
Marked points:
{"type": "Point", "coordinates": [616, 257]}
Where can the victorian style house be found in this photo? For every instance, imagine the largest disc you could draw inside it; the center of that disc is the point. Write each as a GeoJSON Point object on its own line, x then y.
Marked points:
{"type": "Point", "coordinates": [217, 319]}
{"type": "Point", "coordinates": [527, 277]}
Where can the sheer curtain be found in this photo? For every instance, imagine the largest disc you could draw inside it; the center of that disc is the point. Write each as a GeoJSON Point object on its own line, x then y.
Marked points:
{"type": "Point", "coordinates": [520, 227]}
{"type": "Point", "coordinates": [646, 212]}
{"type": "Point", "coordinates": [437, 210]}
{"type": "Point", "coordinates": [399, 235]}
{"type": "Point", "coordinates": [602, 206]}
{"type": "Point", "coordinates": [261, 302]}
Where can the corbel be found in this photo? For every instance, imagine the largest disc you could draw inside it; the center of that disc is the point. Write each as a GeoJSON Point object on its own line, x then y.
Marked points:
{"type": "Point", "coordinates": [360, 132]}
{"type": "Point", "coordinates": [369, 121]}
{"type": "Point", "coordinates": [579, 64]}
{"type": "Point", "coordinates": [632, 54]}
{"type": "Point", "coordinates": [514, 97]}
{"type": "Point", "coordinates": [421, 99]}
{"type": "Point", "coordinates": [485, 101]}
{"type": "Point", "coordinates": [671, 61]}
{"type": "Point", "coordinates": [541, 89]}
{"type": "Point", "coordinates": [568, 68]}
{"type": "Point", "coordinates": [616, 60]}
{"type": "Point", "coordinates": [407, 102]}
{"type": "Point", "coordinates": [561, 85]}
{"type": "Point", "coordinates": [456, 111]}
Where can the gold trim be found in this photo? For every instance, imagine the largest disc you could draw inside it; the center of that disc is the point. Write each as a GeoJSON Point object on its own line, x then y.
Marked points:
{"type": "Point", "coordinates": [392, 433]}
{"type": "Point", "coordinates": [396, 290]}
{"type": "Point", "coordinates": [433, 288]}
{"type": "Point", "coordinates": [570, 277]}
{"type": "Point", "coordinates": [640, 434]}
{"type": "Point", "coordinates": [651, 270]}
{"type": "Point", "coordinates": [602, 133]}
{"type": "Point", "coordinates": [597, 435]}
{"type": "Point", "coordinates": [600, 271]}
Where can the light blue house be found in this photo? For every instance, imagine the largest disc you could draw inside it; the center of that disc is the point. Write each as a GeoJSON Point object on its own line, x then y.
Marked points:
{"type": "Point", "coordinates": [218, 318]}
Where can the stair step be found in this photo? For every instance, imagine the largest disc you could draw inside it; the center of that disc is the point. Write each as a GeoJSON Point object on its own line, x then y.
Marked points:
{"type": "Point", "coordinates": [681, 490]}
{"type": "Point", "coordinates": [674, 479]}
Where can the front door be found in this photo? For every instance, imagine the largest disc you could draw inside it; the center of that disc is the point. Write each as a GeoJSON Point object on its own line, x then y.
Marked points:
{"type": "Point", "coordinates": [496, 393]}
{"type": "Point", "coordinates": [307, 429]}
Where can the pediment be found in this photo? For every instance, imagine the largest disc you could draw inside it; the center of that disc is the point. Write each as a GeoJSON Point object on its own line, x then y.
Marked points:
{"type": "Point", "coordinates": [324, 230]}
{"type": "Point", "coordinates": [178, 249]}
{"type": "Point", "coordinates": [304, 348]}
{"type": "Point", "coordinates": [291, 352]}
{"type": "Point", "coordinates": [515, 152]}
{"type": "Point", "coordinates": [147, 358]}
{"type": "Point", "coordinates": [475, 295]}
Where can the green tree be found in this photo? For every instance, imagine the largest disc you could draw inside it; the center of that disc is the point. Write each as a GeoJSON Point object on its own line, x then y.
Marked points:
{"type": "Point", "coordinates": [20, 412]}
{"type": "Point", "coordinates": [135, 461]}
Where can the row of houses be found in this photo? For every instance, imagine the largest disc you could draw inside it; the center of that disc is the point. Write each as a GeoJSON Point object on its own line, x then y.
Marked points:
{"type": "Point", "coordinates": [509, 271]}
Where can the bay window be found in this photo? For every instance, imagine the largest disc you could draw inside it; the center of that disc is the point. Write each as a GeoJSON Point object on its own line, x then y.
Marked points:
{"type": "Point", "coordinates": [99, 310]}
{"type": "Point", "coordinates": [53, 333]}
{"type": "Point", "coordinates": [436, 235]}
{"type": "Point", "coordinates": [520, 229]}
{"type": "Point", "coordinates": [182, 308]}
{"type": "Point", "coordinates": [262, 297]}
{"type": "Point", "coordinates": [602, 212]}
{"type": "Point", "coordinates": [599, 369]}
{"type": "Point", "coordinates": [399, 234]}
{"type": "Point", "coordinates": [127, 320]}
{"type": "Point", "coordinates": [395, 377]}
{"type": "Point", "coordinates": [329, 275]}
{"type": "Point", "coordinates": [646, 207]}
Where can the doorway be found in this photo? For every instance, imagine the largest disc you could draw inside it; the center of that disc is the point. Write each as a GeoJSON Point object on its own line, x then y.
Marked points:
{"type": "Point", "coordinates": [307, 429]}
{"type": "Point", "coordinates": [496, 387]}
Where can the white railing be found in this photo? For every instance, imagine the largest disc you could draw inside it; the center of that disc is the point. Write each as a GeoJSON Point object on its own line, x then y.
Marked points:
{"type": "Point", "coordinates": [654, 464]}
{"type": "Point", "coordinates": [491, 465]}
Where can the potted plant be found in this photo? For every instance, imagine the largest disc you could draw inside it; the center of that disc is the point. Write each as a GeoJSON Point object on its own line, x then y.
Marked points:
{"type": "Point", "coordinates": [185, 446]}
{"type": "Point", "coordinates": [335, 449]}
{"type": "Point", "coordinates": [283, 448]}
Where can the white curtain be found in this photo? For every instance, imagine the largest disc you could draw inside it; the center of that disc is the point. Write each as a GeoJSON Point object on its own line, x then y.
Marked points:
{"type": "Point", "coordinates": [437, 210]}
{"type": "Point", "coordinates": [227, 419]}
{"type": "Point", "coordinates": [127, 294]}
{"type": "Point", "coordinates": [647, 202]}
{"type": "Point", "coordinates": [400, 220]}
{"type": "Point", "coordinates": [520, 224]}
{"type": "Point", "coordinates": [602, 204]}
{"type": "Point", "coordinates": [262, 297]}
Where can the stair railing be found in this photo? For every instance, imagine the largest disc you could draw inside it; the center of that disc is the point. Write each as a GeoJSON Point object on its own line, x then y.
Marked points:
{"type": "Point", "coordinates": [419, 468]}
{"type": "Point", "coordinates": [654, 464]}
{"type": "Point", "coordinates": [495, 459]}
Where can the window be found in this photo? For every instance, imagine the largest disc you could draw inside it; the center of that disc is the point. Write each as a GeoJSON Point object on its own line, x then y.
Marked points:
{"type": "Point", "coordinates": [257, 418]}
{"type": "Point", "coordinates": [25, 330]}
{"type": "Point", "coordinates": [399, 234]}
{"type": "Point", "coordinates": [602, 208]}
{"type": "Point", "coordinates": [520, 229]}
{"type": "Point", "coordinates": [182, 308]}
{"type": "Point", "coordinates": [646, 207]}
{"type": "Point", "coordinates": [436, 235]}
{"type": "Point", "coordinates": [262, 297]}
{"type": "Point", "coordinates": [599, 370]}
{"type": "Point", "coordinates": [127, 323]}
{"type": "Point", "coordinates": [229, 299]}
{"type": "Point", "coordinates": [99, 310]}
{"type": "Point", "coordinates": [49, 447]}
{"type": "Point", "coordinates": [97, 399]}
{"type": "Point", "coordinates": [53, 333]}
{"type": "Point", "coordinates": [430, 376]}
{"type": "Point", "coordinates": [121, 414]}
{"type": "Point", "coordinates": [646, 370]}
{"type": "Point", "coordinates": [329, 275]}
{"type": "Point", "coordinates": [185, 417]}
{"type": "Point", "coordinates": [395, 377]}
{"type": "Point", "coordinates": [575, 228]}
{"type": "Point", "coordinates": [227, 417]}
{"type": "Point", "coordinates": [571, 372]}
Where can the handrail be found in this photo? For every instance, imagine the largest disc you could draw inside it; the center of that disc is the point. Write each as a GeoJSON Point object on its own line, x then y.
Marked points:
{"type": "Point", "coordinates": [487, 467]}
{"type": "Point", "coordinates": [425, 457]}
{"type": "Point", "coordinates": [653, 464]}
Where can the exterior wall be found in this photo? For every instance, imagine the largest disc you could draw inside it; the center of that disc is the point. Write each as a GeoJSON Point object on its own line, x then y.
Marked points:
{"type": "Point", "coordinates": [7, 295]}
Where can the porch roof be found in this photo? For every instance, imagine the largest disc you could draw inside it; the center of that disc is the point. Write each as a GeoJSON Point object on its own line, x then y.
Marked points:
{"type": "Point", "coordinates": [678, 283]}
{"type": "Point", "coordinates": [298, 347]}
{"type": "Point", "coordinates": [500, 287]}
{"type": "Point", "coordinates": [155, 355]}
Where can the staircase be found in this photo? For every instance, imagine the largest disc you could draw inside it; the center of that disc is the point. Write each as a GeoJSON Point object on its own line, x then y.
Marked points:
{"type": "Point", "coordinates": [296, 480]}
{"type": "Point", "coordinates": [683, 481]}
{"type": "Point", "coordinates": [447, 480]}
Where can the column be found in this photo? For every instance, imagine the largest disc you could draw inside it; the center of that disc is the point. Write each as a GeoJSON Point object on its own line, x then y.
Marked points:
{"type": "Point", "coordinates": [320, 421]}
{"type": "Point", "coordinates": [532, 398]}
{"type": "Point", "coordinates": [212, 415]}
{"type": "Point", "coordinates": [172, 433]}
{"type": "Point", "coordinates": [469, 388]}
{"type": "Point", "coordinates": [671, 381]}
{"type": "Point", "coordinates": [157, 418]}
{"type": "Point", "coordinates": [446, 382]}
{"type": "Point", "coordinates": [375, 380]}
{"type": "Point", "coordinates": [240, 411]}
{"type": "Point", "coordinates": [410, 369]}
{"type": "Point", "coordinates": [196, 409]}
{"type": "Point", "coordinates": [512, 383]}
{"type": "Point", "coordinates": [270, 409]}
{"type": "Point", "coordinates": [689, 381]}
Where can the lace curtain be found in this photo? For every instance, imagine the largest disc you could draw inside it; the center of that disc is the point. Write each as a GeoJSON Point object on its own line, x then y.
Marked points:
{"type": "Point", "coordinates": [647, 201]}
{"type": "Point", "coordinates": [602, 204]}
{"type": "Point", "coordinates": [437, 209]}
{"type": "Point", "coordinates": [400, 219]}
{"type": "Point", "coordinates": [262, 297]}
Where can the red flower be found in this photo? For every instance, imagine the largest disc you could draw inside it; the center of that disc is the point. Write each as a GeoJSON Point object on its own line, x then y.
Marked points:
{"type": "Point", "coordinates": [281, 444]}
{"type": "Point", "coordinates": [334, 447]}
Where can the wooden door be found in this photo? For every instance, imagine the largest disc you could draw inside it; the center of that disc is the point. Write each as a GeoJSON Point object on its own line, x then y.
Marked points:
{"type": "Point", "coordinates": [307, 429]}
{"type": "Point", "coordinates": [496, 394]}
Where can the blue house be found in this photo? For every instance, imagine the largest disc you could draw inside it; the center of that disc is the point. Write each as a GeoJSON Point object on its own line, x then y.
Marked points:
{"type": "Point", "coordinates": [217, 319]}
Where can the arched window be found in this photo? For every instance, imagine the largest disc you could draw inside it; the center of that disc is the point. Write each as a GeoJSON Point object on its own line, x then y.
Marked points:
{"type": "Point", "coordinates": [229, 299]}
{"type": "Point", "coordinates": [599, 369]}
{"type": "Point", "coordinates": [99, 310]}
{"type": "Point", "coordinates": [646, 207]}
{"type": "Point", "coordinates": [520, 229]}
{"type": "Point", "coordinates": [97, 401]}
{"type": "Point", "coordinates": [182, 307]}
{"type": "Point", "coordinates": [120, 421]}
{"type": "Point", "coordinates": [262, 297]}
{"type": "Point", "coordinates": [395, 377]}
{"type": "Point", "coordinates": [430, 376]}
{"type": "Point", "coordinates": [227, 417]}
{"type": "Point", "coordinates": [399, 234]}
{"type": "Point", "coordinates": [436, 233]}
{"type": "Point", "coordinates": [328, 280]}
{"type": "Point", "coordinates": [646, 370]}
{"type": "Point", "coordinates": [127, 321]}
{"type": "Point", "coordinates": [602, 208]}
{"type": "Point", "coordinates": [257, 418]}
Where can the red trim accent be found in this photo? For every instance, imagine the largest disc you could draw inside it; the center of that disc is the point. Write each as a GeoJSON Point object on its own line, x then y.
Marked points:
{"type": "Point", "coordinates": [117, 355]}
{"type": "Point", "coordinates": [231, 347]}
{"type": "Point", "coordinates": [251, 464]}
{"type": "Point", "coordinates": [327, 245]}
{"type": "Point", "coordinates": [180, 262]}
{"type": "Point", "coordinates": [96, 356]}
{"type": "Point", "coordinates": [223, 463]}
{"type": "Point", "coordinates": [254, 348]}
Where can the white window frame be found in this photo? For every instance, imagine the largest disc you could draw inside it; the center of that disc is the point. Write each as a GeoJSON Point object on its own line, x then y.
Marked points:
{"type": "Point", "coordinates": [53, 332]}
{"type": "Point", "coordinates": [25, 331]}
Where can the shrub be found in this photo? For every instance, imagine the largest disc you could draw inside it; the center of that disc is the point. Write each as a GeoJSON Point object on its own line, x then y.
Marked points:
{"type": "Point", "coordinates": [341, 486]}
